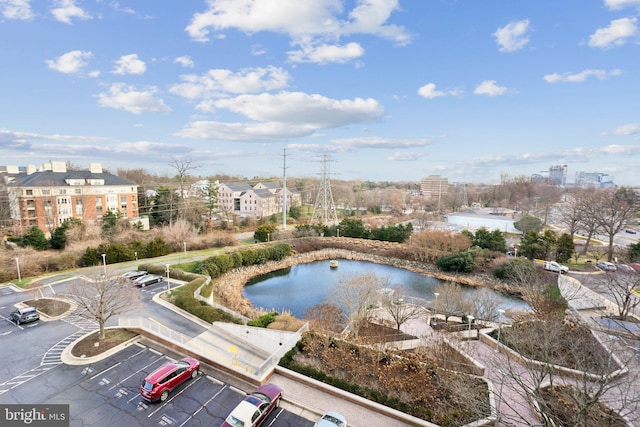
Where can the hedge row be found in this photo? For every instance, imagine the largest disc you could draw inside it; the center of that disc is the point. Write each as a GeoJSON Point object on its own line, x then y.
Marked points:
{"type": "Point", "coordinates": [220, 264]}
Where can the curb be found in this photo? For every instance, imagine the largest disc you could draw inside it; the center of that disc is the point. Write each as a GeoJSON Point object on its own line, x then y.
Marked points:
{"type": "Point", "coordinates": [69, 359]}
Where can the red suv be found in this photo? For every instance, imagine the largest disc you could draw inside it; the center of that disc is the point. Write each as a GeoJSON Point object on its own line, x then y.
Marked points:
{"type": "Point", "coordinates": [158, 384]}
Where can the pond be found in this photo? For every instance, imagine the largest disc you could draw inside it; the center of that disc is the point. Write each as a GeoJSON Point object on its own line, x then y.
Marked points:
{"type": "Point", "coordinates": [302, 286]}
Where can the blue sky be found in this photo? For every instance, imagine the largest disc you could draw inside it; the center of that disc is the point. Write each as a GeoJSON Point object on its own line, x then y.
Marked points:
{"type": "Point", "coordinates": [390, 90]}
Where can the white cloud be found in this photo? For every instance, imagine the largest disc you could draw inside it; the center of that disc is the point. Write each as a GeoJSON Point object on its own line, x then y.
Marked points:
{"type": "Point", "coordinates": [512, 36]}
{"type": "Point", "coordinates": [16, 9]}
{"type": "Point", "coordinates": [405, 156]}
{"type": "Point", "coordinates": [325, 53]}
{"type": "Point", "coordinates": [581, 76]}
{"type": "Point", "coordinates": [621, 4]}
{"type": "Point", "coordinates": [130, 64]}
{"type": "Point", "coordinates": [71, 62]}
{"type": "Point", "coordinates": [489, 88]}
{"type": "Point", "coordinates": [66, 10]}
{"type": "Point", "coordinates": [123, 97]}
{"type": "Point", "coordinates": [298, 108]}
{"type": "Point", "coordinates": [185, 61]}
{"type": "Point", "coordinates": [379, 142]}
{"type": "Point", "coordinates": [615, 34]}
{"type": "Point", "coordinates": [306, 22]}
{"type": "Point", "coordinates": [429, 91]}
{"type": "Point", "coordinates": [283, 116]}
{"type": "Point", "coordinates": [625, 130]}
{"type": "Point", "coordinates": [219, 82]}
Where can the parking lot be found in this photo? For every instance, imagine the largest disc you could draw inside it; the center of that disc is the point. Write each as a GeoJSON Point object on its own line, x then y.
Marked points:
{"type": "Point", "coordinates": [106, 393]}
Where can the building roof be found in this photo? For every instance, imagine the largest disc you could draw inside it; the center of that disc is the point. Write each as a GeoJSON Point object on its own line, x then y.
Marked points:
{"type": "Point", "coordinates": [58, 179]}
{"type": "Point", "coordinates": [237, 186]}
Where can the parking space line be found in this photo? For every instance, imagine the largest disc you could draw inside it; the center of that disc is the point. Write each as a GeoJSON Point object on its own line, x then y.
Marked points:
{"type": "Point", "coordinates": [153, 350]}
{"type": "Point", "coordinates": [106, 370]}
{"type": "Point", "coordinates": [214, 380]}
{"type": "Point", "coordinates": [202, 406]}
{"type": "Point", "coordinates": [166, 402]}
{"type": "Point", "coordinates": [237, 390]}
{"type": "Point", "coordinates": [135, 373]}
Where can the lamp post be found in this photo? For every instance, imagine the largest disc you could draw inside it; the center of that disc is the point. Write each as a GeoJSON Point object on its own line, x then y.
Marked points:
{"type": "Point", "coordinates": [168, 283]}
{"type": "Point", "coordinates": [469, 337]}
{"type": "Point", "coordinates": [184, 245]}
{"type": "Point", "coordinates": [104, 264]}
{"type": "Point", "coordinates": [136, 255]}
{"type": "Point", "coordinates": [337, 231]}
{"type": "Point", "coordinates": [18, 267]}
{"type": "Point", "coordinates": [499, 329]}
{"type": "Point", "coordinates": [435, 306]}
{"type": "Point", "coordinates": [268, 237]}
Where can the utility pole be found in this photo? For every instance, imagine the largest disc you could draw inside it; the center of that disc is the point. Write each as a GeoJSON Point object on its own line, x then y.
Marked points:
{"type": "Point", "coordinates": [284, 189]}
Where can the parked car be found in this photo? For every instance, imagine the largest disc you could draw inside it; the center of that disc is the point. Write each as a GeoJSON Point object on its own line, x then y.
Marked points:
{"type": "Point", "coordinates": [24, 315]}
{"type": "Point", "coordinates": [157, 385]}
{"type": "Point", "coordinates": [148, 279]}
{"type": "Point", "coordinates": [255, 408]}
{"type": "Point", "coordinates": [606, 266]}
{"type": "Point", "coordinates": [134, 274]}
{"type": "Point", "coordinates": [624, 268]}
{"type": "Point", "coordinates": [635, 266]}
{"type": "Point", "coordinates": [331, 419]}
{"type": "Point", "coordinates": [630, 231]}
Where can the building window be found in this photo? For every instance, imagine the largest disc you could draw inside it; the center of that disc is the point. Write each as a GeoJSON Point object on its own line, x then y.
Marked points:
{"type": "Point", "coordinates": [99, 205]}
{"type": "Point", "coordinates": [78, 190]}
{"type": "Point", "coordinates": [63, 191]}
{"type": "Point", "coordinates": [29, 192]}
{"type": "Point", "coordinates": [46, 192]}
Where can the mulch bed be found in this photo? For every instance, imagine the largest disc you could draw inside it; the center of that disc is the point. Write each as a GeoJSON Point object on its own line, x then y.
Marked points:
{"type": "Point", "coordinates": [113, 337]}
{"type": "Point", "coordinates": [49, 307]}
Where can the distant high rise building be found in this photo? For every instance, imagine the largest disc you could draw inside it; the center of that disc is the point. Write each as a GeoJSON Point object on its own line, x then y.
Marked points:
{"type": "Point", "coordinates": [558, 175]}
{"type": "Point", "coordinates": [594, 179]}
{"type": "Point", "coordinates": [434, 187]}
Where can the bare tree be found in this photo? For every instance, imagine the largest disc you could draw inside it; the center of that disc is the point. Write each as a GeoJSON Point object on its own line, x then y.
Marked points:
{"type": "Point", "coordinates": [103, 298]}
{"type": "Point", "coordinates": [450, 300]}
{"type": "Point", "coordinates": [555, 397]}
{"type": "Point", "coordinates": [356, 295]}
{"type": "Point", "coordinates": [394, 303]}
{"type": "Point", "coordinates": [485, 305]}
{"type": "Point", "coordinates": [182, 167]}
{"type": "Point", "coordinates": [327, 318]}
{"type": "Point", "coordinates": [615, 210]}
{"type": "Point", "coordinates": [621, 287]}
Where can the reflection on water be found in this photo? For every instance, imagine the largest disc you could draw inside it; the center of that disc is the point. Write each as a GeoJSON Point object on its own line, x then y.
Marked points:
{"type": "Point", "coordinates": [302, 286]}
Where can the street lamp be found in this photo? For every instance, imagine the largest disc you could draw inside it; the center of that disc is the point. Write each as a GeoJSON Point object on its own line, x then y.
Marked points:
{"type": "Point", "coordinates": [104, 264]}
{"type": "Point", "coordinates": [18, 267]}
{"type": "Point", "coordinates": [168, 283]}
{"type": "Point", "coordinates": [469, 337]}
{"type": "Point", "coordinates": [184, 245]}
{"type": "Point", "coordinates": [435, 306]}
{"type": "Point", "coordinates": [136, 255]}
{"type": "Point", "coordinates": [499, 329]}
{"type": "Point", "coordinates": [337, 231]}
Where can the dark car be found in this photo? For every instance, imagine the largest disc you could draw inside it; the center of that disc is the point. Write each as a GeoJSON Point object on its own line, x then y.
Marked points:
{"type": "Point", "coordinates": [148, 279]}
{"type": "Point", "coordinates": [255, 408]}
{"type": "Point", "coordinates": [25, 315]}
{"type": "Point", "coordinates": [158, 384]}
{"type": "Point", "coordinates": [134, 274]}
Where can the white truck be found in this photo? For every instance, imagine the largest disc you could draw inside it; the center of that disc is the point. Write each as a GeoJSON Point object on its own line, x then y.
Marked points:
{"type": "Point", "coordinates": [555, 267]}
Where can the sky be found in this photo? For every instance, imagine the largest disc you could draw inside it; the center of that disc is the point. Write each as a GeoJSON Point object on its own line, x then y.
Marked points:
{"type": "Point", "coordinates": [378, 90]}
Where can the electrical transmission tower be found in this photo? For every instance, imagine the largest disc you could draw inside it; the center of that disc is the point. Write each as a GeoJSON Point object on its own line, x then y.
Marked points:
{"type": "Point", "coordinates": [324, 211]}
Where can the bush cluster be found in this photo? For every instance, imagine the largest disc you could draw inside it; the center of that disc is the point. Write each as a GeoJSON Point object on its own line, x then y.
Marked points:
{"type": "Point", "coordinates": [118, 252]}
{"type": "Point", "coordinates": [217, 265]}
{"type": "Point", "coordinates": [264, 320]}
{"type": "Point", "coordinates": [186, 301]}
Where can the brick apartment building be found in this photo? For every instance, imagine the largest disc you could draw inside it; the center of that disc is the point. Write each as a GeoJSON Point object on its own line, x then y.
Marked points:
{"type": "Point", "coordinates": [47, 196]}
